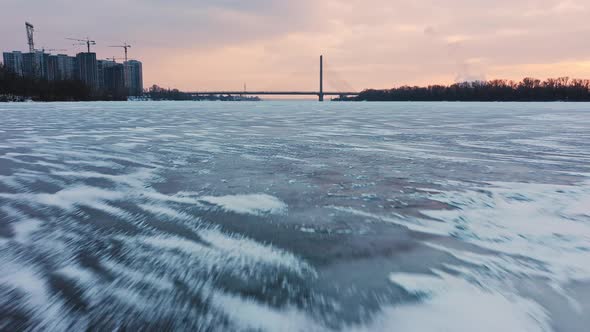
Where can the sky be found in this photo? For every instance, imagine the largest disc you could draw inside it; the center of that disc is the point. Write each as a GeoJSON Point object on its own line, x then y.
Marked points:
{"type": "Point", "coordinates": [202, 45]}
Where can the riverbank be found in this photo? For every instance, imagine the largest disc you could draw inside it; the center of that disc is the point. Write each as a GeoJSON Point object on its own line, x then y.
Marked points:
{"type": "Point", "coordinates": [529, 89]}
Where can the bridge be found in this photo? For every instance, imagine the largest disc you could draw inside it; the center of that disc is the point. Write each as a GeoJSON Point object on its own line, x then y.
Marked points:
{"type": "Point", "coordinates": [320, 94]}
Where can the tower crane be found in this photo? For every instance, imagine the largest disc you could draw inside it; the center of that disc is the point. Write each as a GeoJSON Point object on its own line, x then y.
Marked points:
{"type": "Point", "coordinates": [113, 58]}
{"type": "Point", "coordinates": [86, 42]}
{"type": "Point", "coordinates": [30, 30]}
{"type": "Point", "coordinates": [124, 46]}
{"type": "Point", "coordinates": [43, 49]}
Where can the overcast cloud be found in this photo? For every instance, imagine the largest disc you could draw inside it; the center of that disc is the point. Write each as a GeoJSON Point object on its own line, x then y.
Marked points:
{"type": "Point", "coordinates": [221, 44]}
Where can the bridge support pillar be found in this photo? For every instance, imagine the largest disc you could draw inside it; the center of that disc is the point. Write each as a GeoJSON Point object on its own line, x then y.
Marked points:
{"type": "Point", "coordinates": [321, 94]}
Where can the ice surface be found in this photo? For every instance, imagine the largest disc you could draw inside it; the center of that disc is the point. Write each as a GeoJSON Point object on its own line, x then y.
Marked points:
{"type": "Point", "coordinates": [543, 222]}
{"type": "Point", "coordinates": [295, 216]}
{"type": "Point", "coordinates": [250, 204]}
{"type": "Point", "coordinates": [455, 304]}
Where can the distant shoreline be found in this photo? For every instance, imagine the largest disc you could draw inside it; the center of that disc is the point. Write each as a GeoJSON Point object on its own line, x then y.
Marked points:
{"type": "Point", "coordinates": [561, 89]}
{"type": "Point", "coordinates": [301, 100]}
{"type": "Point", "coordinates": [528, 90]}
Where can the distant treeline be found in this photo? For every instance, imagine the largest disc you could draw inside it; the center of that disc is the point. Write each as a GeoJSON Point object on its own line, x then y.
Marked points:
{"type": "Point", "coordinates": [529, 89]}
{"type": "Point", "coordinates": [157, 93]}
{"type": "Point", "coordinates": [14, 87]}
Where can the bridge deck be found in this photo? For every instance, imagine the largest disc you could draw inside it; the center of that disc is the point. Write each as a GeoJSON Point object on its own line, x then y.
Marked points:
{"type": "Point", "coordinates": [276, 93]}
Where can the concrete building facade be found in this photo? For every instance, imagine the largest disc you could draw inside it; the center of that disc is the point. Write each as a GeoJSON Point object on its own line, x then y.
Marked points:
{"type": "Point", "coordinates": [134, 77]}
{"type": "Point", "coordinates": [34, 65]}
{"type": "Point", "coordinates": [101, 66]}
{"type": "Point", "coordinates": [86, 70]}
{"type": "Point", "coordinates": [66, 67]}
{"type": "Point", "coordinates": [51, 66]}
{"type": "Point", "coordinates": [114, 80]}
{"type": "Point", "coordinates": [14, 62]}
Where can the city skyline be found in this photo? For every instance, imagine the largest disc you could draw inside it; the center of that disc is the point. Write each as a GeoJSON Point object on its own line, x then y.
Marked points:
{"type": "Point", "coordinates": [105, 78]}
{"type": "Point", "coordinates": [275, 44]}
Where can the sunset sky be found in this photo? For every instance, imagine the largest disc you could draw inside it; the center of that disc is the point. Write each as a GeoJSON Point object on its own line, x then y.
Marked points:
{"type": "Point", "coordinates": [275, 44]}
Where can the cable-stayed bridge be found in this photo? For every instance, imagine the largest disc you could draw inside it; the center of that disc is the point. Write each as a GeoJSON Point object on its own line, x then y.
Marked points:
{"type": "Point", "coordinates": [320, 93]}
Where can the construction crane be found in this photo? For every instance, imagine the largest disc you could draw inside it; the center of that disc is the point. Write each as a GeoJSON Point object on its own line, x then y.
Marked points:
{"type": "Point", "coordinates": [86, 42]}
{"type": "Point", "coordinates": [43, 49]}
{"type": "Point", "coordinates": [124, 46]}
{"type": "Point", "coordinates": [30, 30]}
{"type": "Point", "coordinates": [114, 58]}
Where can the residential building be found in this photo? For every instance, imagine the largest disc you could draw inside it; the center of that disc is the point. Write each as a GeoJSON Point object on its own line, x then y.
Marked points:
{"type": "Point", "coordinates": [34, 65]}
{"type": "Point", "coordinates": [134, 77]}
{"type": "Point", "coordinates": [51, 65]}
{"type": "Point", "coordinates": [87, 69]}
{"type": "Point", "coordinates": [66, 67]}
{"type": "Point", "coordinates": [101, 66]}
{"type": "Point", "coordinates": [13, 61]}
{"type": "Point", "coordinates": [114, 80]}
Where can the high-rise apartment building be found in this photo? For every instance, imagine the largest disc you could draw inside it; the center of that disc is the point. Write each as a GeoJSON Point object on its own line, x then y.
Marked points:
{"type": "Point", "coordinates": [13, 61]}
{"type": "Point", "coordinates": [34, 65]}
{"type": "Point", "coordinates": [87, 69]}
{"type": "Point", "coordinates": [114, 80]}
{"type": "Point", "coordinates": [66, 67]}
{"type": "Point", "coordinates": [51, 66]}
{"type": "Point", "coordinates": [101, 66]}
{"type": "Point", "coordinates": [134, 77]}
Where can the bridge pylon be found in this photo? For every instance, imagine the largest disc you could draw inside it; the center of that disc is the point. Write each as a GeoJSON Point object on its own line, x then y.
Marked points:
{"type": "Point", "coordinates": [321, 94]}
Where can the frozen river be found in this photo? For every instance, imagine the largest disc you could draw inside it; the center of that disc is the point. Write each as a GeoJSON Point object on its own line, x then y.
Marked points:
{"type": "Point", "coordinates": [295, 216]}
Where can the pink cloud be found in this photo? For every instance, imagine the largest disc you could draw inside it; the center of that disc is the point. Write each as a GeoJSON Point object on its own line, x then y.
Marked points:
{"type": "Point", "coordinates": [275, 44]}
